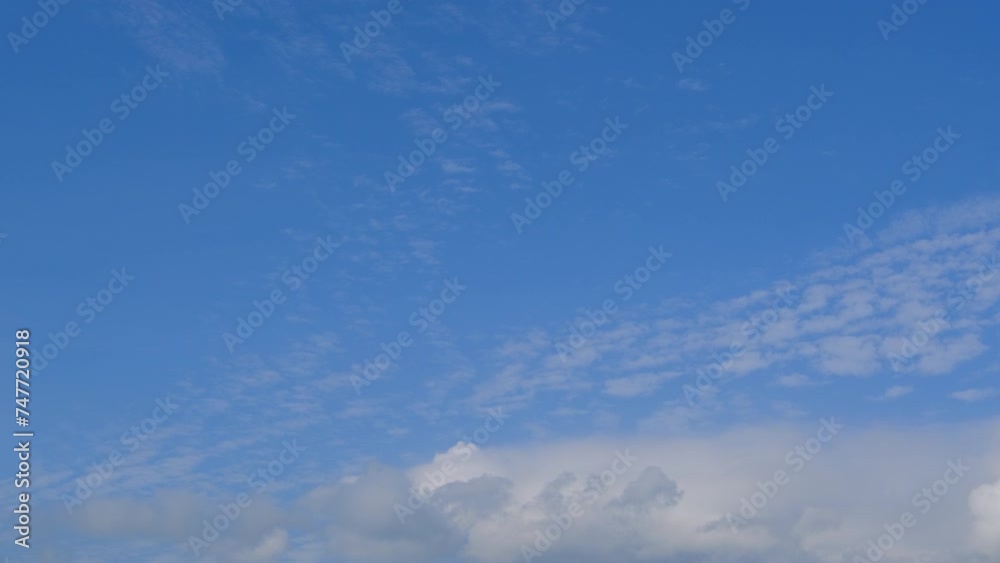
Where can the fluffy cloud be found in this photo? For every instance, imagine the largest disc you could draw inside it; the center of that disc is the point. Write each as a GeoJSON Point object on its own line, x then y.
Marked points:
{"type": "Point", "coordinates": [985, 505]}
{"type": "Point", "coordinates": [641, 500]}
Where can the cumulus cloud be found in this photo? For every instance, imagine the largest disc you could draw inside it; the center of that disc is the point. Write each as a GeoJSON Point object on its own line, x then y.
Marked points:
{"type": "Point", "coordinates": [984, 502]}
{"type": "Point", "coordinates": [641, 500]}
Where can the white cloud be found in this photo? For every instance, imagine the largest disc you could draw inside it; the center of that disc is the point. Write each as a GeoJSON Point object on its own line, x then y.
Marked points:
{"type": "Point", "coordinates": [693, 85]}
{"type": "Point", "coordinates": [635, 385]}
{"type": "Point", "coordinates": [668, 501]}
{"type": "Point", "coordinates": [896, 391]}
{"type": "Point", "coordinates": [984, 503]}
{"type": "Point", "coordinates": [851, 313]}
{"type": "Point", "coordinates": [172, 34]}
{"type": "Point", "coordinates": [973, 395]}
{"type": "Point", "coordinates": [270, 547]}
{"type": "Point", "coordinates": [795, 380]}
{"type": "Point", "coordinates": [456, 167]}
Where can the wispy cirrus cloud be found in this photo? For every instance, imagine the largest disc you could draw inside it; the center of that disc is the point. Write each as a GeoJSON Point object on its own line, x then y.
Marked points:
{"type": "Point", "coordinates": [693, 85]}
{"type": "Point", "coordinates": [975, 395]}
{"type": "Point", "coordinates": [172, 33]}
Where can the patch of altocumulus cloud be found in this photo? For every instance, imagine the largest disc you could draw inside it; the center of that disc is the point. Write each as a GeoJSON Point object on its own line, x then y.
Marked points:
{"type": "Point", "coordinates": [852, 311]}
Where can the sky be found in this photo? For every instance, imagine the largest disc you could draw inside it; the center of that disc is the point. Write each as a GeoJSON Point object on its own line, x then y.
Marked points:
{"type": "Point", "coordinates": [499, 281]}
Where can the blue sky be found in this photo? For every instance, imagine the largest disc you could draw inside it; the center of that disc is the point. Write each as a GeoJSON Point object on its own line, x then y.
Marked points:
{"type": "Point", "coordinates": [305, 121]}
